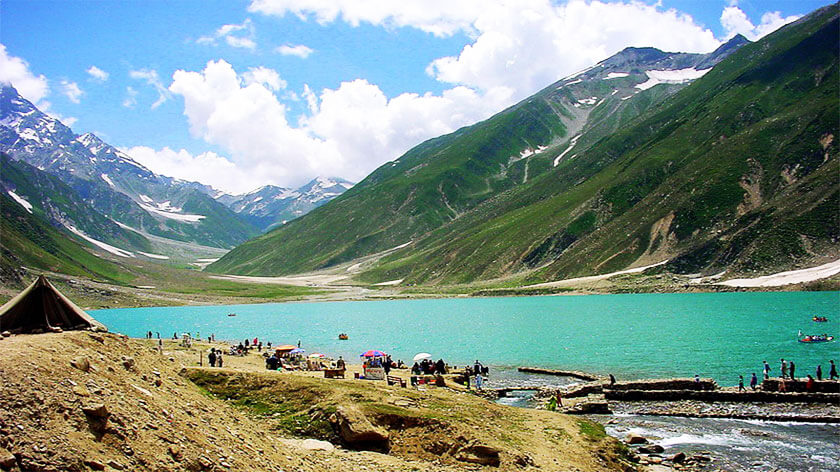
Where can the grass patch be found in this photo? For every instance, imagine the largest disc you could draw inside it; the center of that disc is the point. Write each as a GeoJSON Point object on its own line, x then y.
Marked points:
{"type": "Point", "coordinates": [591, 430]}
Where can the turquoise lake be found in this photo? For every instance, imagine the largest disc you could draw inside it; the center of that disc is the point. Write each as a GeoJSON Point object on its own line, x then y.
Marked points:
{"type": "Point", "coordinates": [718, 335]}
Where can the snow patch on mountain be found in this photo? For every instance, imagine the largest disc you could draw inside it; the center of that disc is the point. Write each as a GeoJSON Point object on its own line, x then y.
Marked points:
{"type": "Point", "coordinates": [616, 75]}
{"type": "Point", "coordinates": [107, 179]}
{"type": "Point", "coordinates": [25, 204]}
{"type": "Point", "coordinates": [105, 246]}
{"type": "Point", "coordinates": [572, 143]}
{"type": "Point", "coordinates": [681, 76]}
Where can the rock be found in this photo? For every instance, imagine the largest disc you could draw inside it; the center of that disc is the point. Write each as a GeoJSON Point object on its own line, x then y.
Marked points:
{"type": "Point", "coordinates": [95, 464]}
{"type": "Point", "coordinates": [677, 458]}
{"type": "Point", "coordinates": [128, 362]}
{"type": "Point", "coordinates": [316, 445]}
{"type": "Point", "coordinates": [205, 463]}
{"type": "Point", "coordinates": [479, 454]}
{"type": "Point", "coordinates": [96, 410]}
{"type": "Point", "coordinates": [6, 334]}
{"type": "Point", "coordinates": [7, 459]}
{"type": "Point", "coordinates": [175, 452]}
{"type": "Point", "coordinates": [158, 382]}
{"type": "Point", "coordinates": [652, 449]}
{"type": "Point", "coordinates": [355, 429]}
{"type": "Point", "coordinates": [97, 338]}
{"type": "Point", "coordinates": [81, 391]}
{"type": "Point", "coordinates": [115, 465]}
{"type": "Point", "coordinates": [635, 439]}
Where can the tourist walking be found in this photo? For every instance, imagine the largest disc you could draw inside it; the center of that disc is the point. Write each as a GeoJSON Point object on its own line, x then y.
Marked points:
{"type": "Point", "coordinates": [819, 371]}
{"type": "Point", "coordinates": [753, 381]}
{"type": "Point", "coordinates": [741, 384]}
{"type": "Point", "coordinates": [783, 369]}
{"type": "Point", "coordinates": [832, 371]}
{"type": "Point", "coordinates": [766, 370]}
{"type": "Point", "coordinates": [478, 381]}
{"type": "Point", "coordinates": [792, 370]}
{"type": "Point", "coordinates": [212, 357]}
{"type": "Point", "coordinates": [219, 359]}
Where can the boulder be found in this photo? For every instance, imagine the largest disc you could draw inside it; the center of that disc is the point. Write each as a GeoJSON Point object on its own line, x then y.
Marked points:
{"type": "Point", "coordinates": [96, 410]}
{"type": "Point", "coordinates": [81, 363]}
{"type": "Point", "coordinates": [7, 459]}
{"type": "Point", "coordinates": [357, 431]}
{"type": "Point", "coordinates": [677, 458]}
{"type": "Point", "coordinates": [95, 464]}
{"type": "Point", "coordinates": [479, 454]}
{"type": "Point", "coordinates": [128, 362]}
{"type": "Point", "coordinates": [6, 334]}
{"type": "Point", "coordinates": [652, 449]}
{"type": "Point", "coordinates": [317, 445]}
{"type": "Point", "coordinates": [635, 439]}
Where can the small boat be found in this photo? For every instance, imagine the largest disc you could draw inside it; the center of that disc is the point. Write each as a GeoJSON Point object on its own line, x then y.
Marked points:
{"type": "Point", "coordinates": [231, 314]}
{"type": "Point", "coordinates": [816, 339]}
{"type": "Point", "coordinates": [343, 337]}
{"type": "Point", "coordinates": [820, 319]}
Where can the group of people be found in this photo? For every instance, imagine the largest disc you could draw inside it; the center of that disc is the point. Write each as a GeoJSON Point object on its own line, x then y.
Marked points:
{"type": "Point", "coordinates": [787, 371]}
{"type": "Point", "coordinates": [215, 358]}
{"type": "Point", "coordinates": [429, 367]}
{"type": "Point", "coordinates": [810, 338]}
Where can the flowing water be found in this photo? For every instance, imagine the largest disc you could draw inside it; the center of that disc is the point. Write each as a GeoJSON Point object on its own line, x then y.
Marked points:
{"type": "Point", "coordinates": [632, 336]}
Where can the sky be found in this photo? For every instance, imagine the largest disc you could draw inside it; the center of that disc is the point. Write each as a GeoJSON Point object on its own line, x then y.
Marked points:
{"type": "Point", "coordinates": [239, 94]}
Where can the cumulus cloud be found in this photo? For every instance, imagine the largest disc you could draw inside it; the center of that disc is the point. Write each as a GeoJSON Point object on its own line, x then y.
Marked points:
{"type": "Point", "coordinates": [72, 91]}
{"type": "Point", "coordinates": [97, 74]}
{"type": "Point", "coordinates": [235, 35]}
{"type": "Point", "coordinates": [349, 131]}
{"type": "Point", "coordinates": [298, 50]}
{"type": "Point", "coordinates": [208, 168]}
{"type": "Point", "coordinates": [735, 21]}
{"type": "Point", "coordinates": [265, 76]}
{"type": "Point", "coordinates": [150, 76]}
{"type": "Point", "coordinates": [15, 71]}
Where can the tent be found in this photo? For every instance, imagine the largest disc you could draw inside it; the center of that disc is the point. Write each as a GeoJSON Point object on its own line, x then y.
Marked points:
{"type": "Point", "coordinates": [42, 307]}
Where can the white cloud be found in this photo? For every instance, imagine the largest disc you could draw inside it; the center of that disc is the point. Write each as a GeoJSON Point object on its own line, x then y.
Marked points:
{"type": "Point", "coordinates": [130, 97]}
{"type": "Point", "coordinates": [97, 73]}
{"type": "Point", "coordinates": [298, 50]}
{"type": "Point", "coordinates": [735, 21]}
{"type": "Point", "coordinates": [235, 35]}
{"type": "Point", "coordinates": [72, 91]}
{"type": "Point", "coordinates": [208, 168]}
{"type": "Point", "coordinates": [265, 76]}
{"type": "Point", "coordinates": [15, 71]}
{"type": "Point", "coordinates": [150, 76]}
{"type": "Point", "coordinates": [349, 132]}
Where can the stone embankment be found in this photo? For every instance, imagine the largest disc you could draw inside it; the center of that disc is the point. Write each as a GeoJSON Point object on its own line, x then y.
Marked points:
{"type": "Point", "coordinates": [576, 374]}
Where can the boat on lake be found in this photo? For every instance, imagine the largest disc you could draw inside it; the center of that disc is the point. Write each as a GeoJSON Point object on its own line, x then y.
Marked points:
{"type": "Point", "coordinates": [816, 339]}
{"type": "Point", "coordinates": [343, 337]}
{"type": "Point", "coordinates": [820, 319]}
{"type": "Point", "coordinates": [231, 314]}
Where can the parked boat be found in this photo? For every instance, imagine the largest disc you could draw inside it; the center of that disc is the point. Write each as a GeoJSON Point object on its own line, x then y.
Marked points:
{"type": "Point", "coordinates": [820, 319]}
{"type": "Point", "coordinates": [231, 314]}
{"type": "Point", "coordinates": [343, 336]}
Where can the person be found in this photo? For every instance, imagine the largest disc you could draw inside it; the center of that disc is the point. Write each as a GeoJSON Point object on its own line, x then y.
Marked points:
{"type": "Point", "coordinates": [792, 370]}
{"type": "Point", "coordinates": [766, 370]}
{"type": "Point", "coordinates": [247, 343]}
{"type": "Point", "coordinates": [212, 357]}
{"type": "Point", "coordinates": [272, 362]}
{"type": "Point", "coordinates": [741, 384]}
{"type": "Point", "coordinates": [819, 371]}
{"type": "Point", "coordinates": [478, 381]}
{"type": "Point", "coordinates": [259, 347]}
{"type": "Point", "coordinates": [219, 359]}
{"type": "Point", "coordinates": [477, 367]}
{"type": "Point", "coordinates": [339, 364]}
{"type": "Point", "coordinates": [696, 378]}
{"type": "Point", "coordinates": [832, 371]}
{"type": "Point", "coordinates": [441, 366]}
{"type": "Point", "coordinates": [467, 377]}
{"type": "Point", "coordinates": [612, 380]}
{"type": "Point", "coordinates": [782, 386]}
{"type": "Point", "coordinates": [255, 341]}
{"type": "Point", "coordinates": [386, 366]}
{"type": "Point", "coordinates": [298, 342]}
{"type": "Point", "coordinates": [415, 369]}
{"type": "Point", "coordinates": [809, 385]}
{"type": "Point", "coordinates": [783, 368]}
{"type": "Point", "coordinates": [753, 381]}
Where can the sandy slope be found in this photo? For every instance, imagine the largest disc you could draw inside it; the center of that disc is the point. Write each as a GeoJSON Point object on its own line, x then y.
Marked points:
{"type": "Point", "coordinates": [789, 277]}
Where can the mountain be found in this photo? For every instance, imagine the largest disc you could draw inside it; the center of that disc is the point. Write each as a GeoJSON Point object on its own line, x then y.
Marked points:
{"type": "Point", "coordinates": [113, 183]}
{"type": "Point", "coordinates": [270, 205]}
{"type": "Point", "coordinates": [443, 180]}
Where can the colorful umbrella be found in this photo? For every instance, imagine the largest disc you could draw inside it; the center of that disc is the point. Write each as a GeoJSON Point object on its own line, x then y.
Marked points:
{"type": "Point", "coordinates": [284, 347]}
{"type": "Point", "coordinates": [373, 353]}
{"type": "Point", "coordinates": [297, 350]}
{"type": "Point", "coordinates": [317, 354]}
{"type": "Point", "coordinates": [421, 356]}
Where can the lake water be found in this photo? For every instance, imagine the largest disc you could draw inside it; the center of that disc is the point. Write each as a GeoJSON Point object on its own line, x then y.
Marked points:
{"type": "Point", "coordinates": [718, 335]}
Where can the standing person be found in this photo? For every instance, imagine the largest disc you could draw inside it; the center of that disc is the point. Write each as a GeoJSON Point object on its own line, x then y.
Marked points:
{"type": "Point", "coordinates": [832, 371]}
{"type": "Point", "coordinates": [753, 381]}
{"type": "Point", "coordinates": [478, 381]}
{"type": "Point", "coordinates": [477, 367]}
{"type": "Point", "coordinates": [339, 364]}
{"type": "Point", "coordinates": [248, 343]}
{"type": "Point", "coordinates": [386, 366]}
{"type": "Point", "coordinates": [792, 370]}
{"type": "Point", "coordinates": [783, 368]}
{"type": "Point", "coordinates": [219, 359]}
{"type": "Point", "coordinates": [612, 380]}
{"type": "Point", "coordinates": [741, 384]}
{"type": "Point", "coordinates": [212, 357]}
{"type": "Point", "coordinates": [298, 342]}
{"type": "Point", "coordinates": [440, 366]}
{"type": "Point", "coordinates": [809, 385]}
{"type": "Point", "coordinates": [819, 371]}
{"type": "Point", "coordinates": [766, 370]}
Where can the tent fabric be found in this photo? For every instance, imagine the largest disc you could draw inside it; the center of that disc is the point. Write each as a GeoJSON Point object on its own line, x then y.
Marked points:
{"type": "Point", "coordinates": [42, 307]}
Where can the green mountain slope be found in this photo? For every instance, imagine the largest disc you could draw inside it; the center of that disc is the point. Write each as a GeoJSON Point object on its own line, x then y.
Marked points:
{"type": "Point", "coordinates": [738, 171]}
{"type": "Point", "coordinates": [444, 179]}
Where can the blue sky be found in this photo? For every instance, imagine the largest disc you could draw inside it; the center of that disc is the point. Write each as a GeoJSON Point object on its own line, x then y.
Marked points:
{"type": "Point", "coordinates": [243, 93]}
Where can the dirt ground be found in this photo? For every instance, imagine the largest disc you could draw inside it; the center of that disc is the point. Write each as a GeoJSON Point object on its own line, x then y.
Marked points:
{"type": "Point", "coordinates": [81, 401]}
